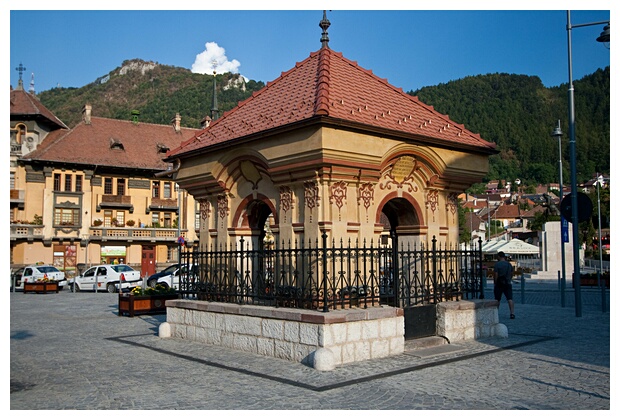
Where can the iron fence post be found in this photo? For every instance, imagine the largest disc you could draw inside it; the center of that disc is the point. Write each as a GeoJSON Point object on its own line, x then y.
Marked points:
{"type": "Point", "coordinates": [395, 269]}
{"type": "Point", "coordinates": [324, 236]}
{"type": "Point", "coordinates": [241, 280]}
{"type": "Point", "coordinates": [482, 275]}
{"type": "Point", "coordinates": [601, 281]}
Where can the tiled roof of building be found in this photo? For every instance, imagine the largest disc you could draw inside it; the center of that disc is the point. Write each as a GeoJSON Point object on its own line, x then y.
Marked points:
{"type": "Point", "coordinates": [110, 142]}
{"type": "Point", "coordinates": [27, 105]}
{"type": "Point", "coordinates": [531, 213]}
{"type": "Point", "coordinates": [330, 86]}
{"type": "Point", "coordinates": [507, 211]}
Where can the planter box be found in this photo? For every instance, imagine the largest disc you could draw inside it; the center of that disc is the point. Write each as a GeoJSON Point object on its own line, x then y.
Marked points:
{"type": "Point", "coordinates": [41, 287]}
{"type": "Point", "coordinates": [140, 305]}
{"type": "Point", "coordinates": [592, 280]}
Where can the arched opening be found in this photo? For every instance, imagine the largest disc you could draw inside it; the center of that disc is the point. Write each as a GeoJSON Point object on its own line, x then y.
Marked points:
{"type": "Point", "coordinates": [398, 212]}
{"type": "Point", "coordinates": [259, 217]}
{"type": "Point", "coordinates": [401, 218]}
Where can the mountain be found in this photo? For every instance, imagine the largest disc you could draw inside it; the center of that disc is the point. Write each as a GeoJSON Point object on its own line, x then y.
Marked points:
{"type": "Point", "coordinates": [515, 111]}
{"type": "Point", "coordinates": [157, 91]}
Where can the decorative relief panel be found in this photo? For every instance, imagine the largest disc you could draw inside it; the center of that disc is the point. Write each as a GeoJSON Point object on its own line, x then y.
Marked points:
{"type": "Point", "coordinates": [205, 208]}
{"type": "Point", "coordinates": [311, 195]}
{"type": "Point", "coordinates": [400, 174]}
{"type": "Point", "coordinates": [365, 195]}
{"type": "Point", "coordinates": [338, 194]}
{"type": "Point", "coordinates": [286, 201]}
{"type": "Point", "coordinates": [452, 203]}
{"type": "Point", "coordinates": [222, 207]}
{"type": "Point", "coordinates": [432, 199]}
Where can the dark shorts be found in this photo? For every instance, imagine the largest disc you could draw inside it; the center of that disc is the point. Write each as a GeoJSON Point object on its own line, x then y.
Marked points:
{"type": "Point", "coordinates": [506, 290]}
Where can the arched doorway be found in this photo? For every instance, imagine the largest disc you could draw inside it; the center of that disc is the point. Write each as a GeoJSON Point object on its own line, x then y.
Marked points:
{"type": "Point", "coordinates": [259, 215]}
{"type": "Point", "coordinates": [404, 280]}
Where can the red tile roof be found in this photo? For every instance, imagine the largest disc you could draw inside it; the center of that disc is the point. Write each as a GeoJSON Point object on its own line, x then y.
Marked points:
{"type": "Point", "coordinates": [507, 211]}
{"type": "Point", "coordinates": [330, 86]}
{"type": "Point", "coordinates": [27, 106]}
{"type": "Point", "coordinates": [92, 144]}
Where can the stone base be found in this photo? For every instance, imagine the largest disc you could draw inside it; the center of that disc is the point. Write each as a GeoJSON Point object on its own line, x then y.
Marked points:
{"type": "Point", "coordinates": [469, 320]}
{"type": "Point", "coordinates": [321, 340]}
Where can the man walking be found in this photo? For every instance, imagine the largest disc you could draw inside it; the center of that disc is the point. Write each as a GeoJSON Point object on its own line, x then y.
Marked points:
{"type": "Point", "coordinates": [502, 279]}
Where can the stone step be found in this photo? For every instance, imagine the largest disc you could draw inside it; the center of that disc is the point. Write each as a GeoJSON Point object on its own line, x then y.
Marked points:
{"type": "Point", "coordinates": [424, 343]}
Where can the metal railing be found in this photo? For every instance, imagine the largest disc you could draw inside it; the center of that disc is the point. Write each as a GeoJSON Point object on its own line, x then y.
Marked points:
{"type": "Point", "coordinates": [339, 276]}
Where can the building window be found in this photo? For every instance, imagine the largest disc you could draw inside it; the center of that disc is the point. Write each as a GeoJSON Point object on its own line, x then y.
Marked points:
{"type": "Point", "coordinates": [172, 253]}
{"type": "Point", "coordinates": [167, 220]}
{"type": "Point", "coordinates": [120, 218]}
{"type": "Point", "coordinates": [78, 183]}
{"type": "Point", "coordinates": [68, 179]}
{"type": "Point", "coordinates": [56, 182]}
{"type": "Point", "coordinates": [12, 181]}
{"type": "Point", "coordinates": [66, 217]}
{"type": "Point", "coordinates": [120, 186]}
{"type": "Point", "coordinates": [107, 186]}
{"type": "Point", "coordinates": [107, 218]}
{"type": "Point", "coordinates": [21, 133]}
{"type": "Point", "coordinates": [167, 190]}
{"type": "Point", "coordinates": [155, 189]}
{"type": "Point", "coordinates": [155, 219]}
{"type": "Point", "coordinates": [197, 220]}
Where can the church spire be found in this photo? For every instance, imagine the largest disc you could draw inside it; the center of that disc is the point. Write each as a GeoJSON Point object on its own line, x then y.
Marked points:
{"type": "Point", "coordinates": [31, 90]}
{"type": "Point", "coordinates": [324, 24]}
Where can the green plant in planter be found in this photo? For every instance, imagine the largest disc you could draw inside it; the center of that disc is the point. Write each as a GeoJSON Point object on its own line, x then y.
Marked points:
{"type": "Point", "coordinates": [159, 289]}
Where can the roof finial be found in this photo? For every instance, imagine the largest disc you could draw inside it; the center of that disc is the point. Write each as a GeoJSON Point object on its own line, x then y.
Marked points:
{"type": "Point", "coordinates": [21, 69]}
{"type": "Point", "coordinates": [324, 24]}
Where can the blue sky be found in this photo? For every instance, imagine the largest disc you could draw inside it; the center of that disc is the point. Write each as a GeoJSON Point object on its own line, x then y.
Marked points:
{"type": "Point", "coordinates": [410, 48]}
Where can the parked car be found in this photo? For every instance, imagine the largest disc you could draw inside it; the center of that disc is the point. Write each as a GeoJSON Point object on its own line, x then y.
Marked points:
{"type": "Point", "coordinates": [33, 273]}
{"type": "Point", "coordinates": [152, 280]}
{"type": "Point", "coordinates": [108, 277]}
{"type": "Point", "coordinates": [171, 278]}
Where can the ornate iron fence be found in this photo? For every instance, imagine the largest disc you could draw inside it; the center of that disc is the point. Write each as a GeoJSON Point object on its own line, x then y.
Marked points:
{"type": "Point", "coordinates": [322, 277]}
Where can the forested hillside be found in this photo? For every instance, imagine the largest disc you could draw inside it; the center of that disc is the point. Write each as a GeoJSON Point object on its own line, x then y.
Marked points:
{"type": "Point", "coordinates": [518, 113]}
{"type": "Point", "coordinates": [515, 111]}
{"type": "Point", "coordinates": [157, 91]}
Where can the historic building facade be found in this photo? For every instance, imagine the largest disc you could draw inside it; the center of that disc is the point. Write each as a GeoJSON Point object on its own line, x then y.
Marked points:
{"type": "Point", "coordinates": [95, 193]}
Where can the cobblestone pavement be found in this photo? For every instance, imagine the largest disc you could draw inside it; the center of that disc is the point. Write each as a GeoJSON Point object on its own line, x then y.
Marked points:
{"type": "Point", "coordinates": [70, 351]}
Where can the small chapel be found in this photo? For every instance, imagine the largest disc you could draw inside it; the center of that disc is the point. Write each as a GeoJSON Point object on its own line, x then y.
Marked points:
{"type": "Point", "coordinates": [329, 147]}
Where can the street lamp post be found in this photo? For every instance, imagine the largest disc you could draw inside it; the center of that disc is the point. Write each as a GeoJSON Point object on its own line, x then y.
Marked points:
{"type": "Point", "coordinates": [604, 37]}
{"type": "Point", "coordinates": [599, 181]}
{"type": "Point", "coordinates": [557, 133]}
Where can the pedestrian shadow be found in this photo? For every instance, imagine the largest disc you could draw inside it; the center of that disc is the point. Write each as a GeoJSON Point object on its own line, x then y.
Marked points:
{"type": "Point", "coordinates": [21, 335]}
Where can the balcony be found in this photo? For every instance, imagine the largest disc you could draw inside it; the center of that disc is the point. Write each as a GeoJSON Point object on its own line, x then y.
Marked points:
{"type": "Point", "coordinates": [131, 234]}
{"type": "Point", "coordinates": [116, 202]}
{"type": "Point", "coordinates": [18, 198]}
{"type": "Point", "coordinates": [163, 204]}
{"type": "Point", "coordinates": [25, 231]}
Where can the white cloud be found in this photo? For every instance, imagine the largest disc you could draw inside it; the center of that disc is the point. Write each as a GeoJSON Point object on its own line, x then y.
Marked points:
{"type": "Point", "coordinates": [212, 57]}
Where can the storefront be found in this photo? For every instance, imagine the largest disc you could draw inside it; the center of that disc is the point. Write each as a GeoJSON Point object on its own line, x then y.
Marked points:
{"type": "Point", "coordinates": [113, 254]}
